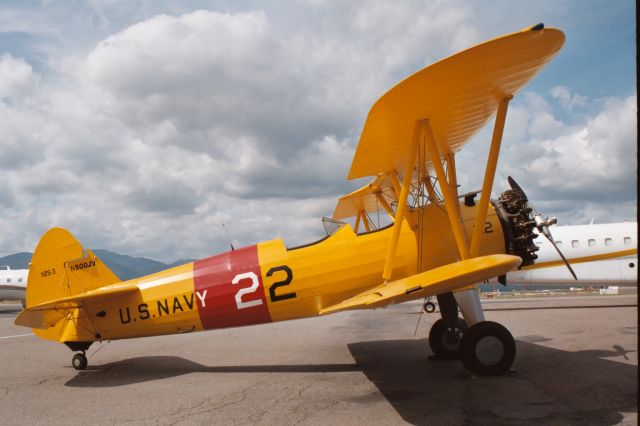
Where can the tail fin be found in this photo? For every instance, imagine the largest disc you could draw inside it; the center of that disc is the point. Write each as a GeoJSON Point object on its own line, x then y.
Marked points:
{"type": "Point", "coordinates": [61, 268]}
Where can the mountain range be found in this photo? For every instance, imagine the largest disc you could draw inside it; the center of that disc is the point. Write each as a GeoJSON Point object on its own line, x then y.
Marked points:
{"type": "Point", "coordinates": [125, 267]}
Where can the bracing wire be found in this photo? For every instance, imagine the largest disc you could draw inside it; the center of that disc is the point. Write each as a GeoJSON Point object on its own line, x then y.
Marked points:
{"type": "Point", "coordinates": [420, 316]}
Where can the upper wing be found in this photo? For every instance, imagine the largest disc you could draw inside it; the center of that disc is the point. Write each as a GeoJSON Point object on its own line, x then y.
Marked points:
{"type": "Point", "coordinates": [458, 95]}
{"type": "Point", "coordinates": [47, 314]}
{"type": "Point", "coordinates": [435, 281]}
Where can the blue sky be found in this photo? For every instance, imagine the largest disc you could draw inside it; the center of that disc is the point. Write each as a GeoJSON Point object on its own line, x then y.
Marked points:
{"type": "Point", "coordinates": [131, 123]}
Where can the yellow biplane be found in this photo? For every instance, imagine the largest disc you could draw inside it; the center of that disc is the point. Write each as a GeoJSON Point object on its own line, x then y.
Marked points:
{"type": "Point", "coordinates": [437, 243]}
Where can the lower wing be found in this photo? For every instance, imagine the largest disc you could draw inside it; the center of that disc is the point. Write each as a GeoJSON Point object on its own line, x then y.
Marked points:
{"type": "Point", "coordinates": [439, 280]}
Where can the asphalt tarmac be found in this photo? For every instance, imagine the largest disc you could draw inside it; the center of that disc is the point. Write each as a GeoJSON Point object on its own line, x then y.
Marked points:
{"type": "Point", "coordinates": [577, 363]}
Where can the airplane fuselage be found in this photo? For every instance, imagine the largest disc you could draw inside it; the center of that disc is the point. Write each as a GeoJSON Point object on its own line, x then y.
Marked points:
{"type": "Point", "coordinates": [257, 284]}
{"type": "Point", "coordinates": [269, 282]}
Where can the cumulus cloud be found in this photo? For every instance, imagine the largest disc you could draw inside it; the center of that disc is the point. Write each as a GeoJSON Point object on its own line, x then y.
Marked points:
{"type": "Point", "coordinates": [565, 167]}
{"type": "Point", "coordinates": [566, 99]}
{"type": "Point", "coordinates": [17, 79]}
{"type": "Point", "coordinates": [595, 159]}
{"type": "Point", "coordinates": [164, 130]}
{"type": "Point", "coordinates": [177, 124]}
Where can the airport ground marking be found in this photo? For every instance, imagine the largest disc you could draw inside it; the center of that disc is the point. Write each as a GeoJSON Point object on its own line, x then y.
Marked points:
{"type": "Point", "coordinates": [17, 335]}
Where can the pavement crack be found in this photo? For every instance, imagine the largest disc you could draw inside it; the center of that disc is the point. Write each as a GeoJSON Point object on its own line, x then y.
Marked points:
{"type": "Point", "coordinates": [202, 408]}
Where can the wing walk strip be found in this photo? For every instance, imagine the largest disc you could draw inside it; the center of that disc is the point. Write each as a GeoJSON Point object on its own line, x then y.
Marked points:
{"type": "Point", "coordinates": [435, 281]}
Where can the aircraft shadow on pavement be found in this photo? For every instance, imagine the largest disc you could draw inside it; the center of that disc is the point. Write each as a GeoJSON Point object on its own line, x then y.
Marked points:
{"type": "Point", "coordinates": [10, 311]}
{"type": "Point", "coordinates": [550, 385]}
{"type": "Point", "coordinates": [144, 369]}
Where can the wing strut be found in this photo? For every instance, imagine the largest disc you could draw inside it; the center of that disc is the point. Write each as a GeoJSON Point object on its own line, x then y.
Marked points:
{"type": "Point", "coordinates": [357, 226]}
{"type": "Point", "coordinates": [384, 203]}
{"type": "Point", "coordinates": [430, 189]}
{"type": "Point", "coordinates": [450, 199]}
{"type": "Point", "coordinates": [361, 217]}
{"type": "Point", "coordinates": [489, 174]}
{"type": "Point", "coordinates": [402, 199]}
{"type": "Point", "coordinates": [451, 173]}
{"type": "Point", "coordinates": [394, 183]}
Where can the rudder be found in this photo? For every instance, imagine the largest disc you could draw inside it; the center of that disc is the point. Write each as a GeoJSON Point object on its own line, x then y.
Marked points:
{"type": "Point", "coordinates": [60, 267]}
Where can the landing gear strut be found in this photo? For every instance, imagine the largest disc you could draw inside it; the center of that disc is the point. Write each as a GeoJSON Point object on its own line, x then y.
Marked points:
{"type": "Point", "coordinates": [79, 361]}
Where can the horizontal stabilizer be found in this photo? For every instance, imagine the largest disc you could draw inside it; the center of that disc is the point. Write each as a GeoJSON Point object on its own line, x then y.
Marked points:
{"type": "Point", "coordinates": [435, 281]}
{"type": "Point", "coordinates": [47, 314]}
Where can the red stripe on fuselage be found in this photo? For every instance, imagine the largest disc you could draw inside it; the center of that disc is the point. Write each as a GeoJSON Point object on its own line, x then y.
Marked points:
{"type": "Point", "coordinates": [231, 286]}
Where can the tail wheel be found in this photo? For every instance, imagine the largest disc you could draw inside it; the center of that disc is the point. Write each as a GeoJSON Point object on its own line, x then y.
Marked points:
{"type": "Point", "coordinates": [444, 343]}
{"type": "Point", "coordinates": [79, 361]}
{"type": "Point", "coordinates": [487, 349]}
{"type": "Point", "coordinates": [429, 307]}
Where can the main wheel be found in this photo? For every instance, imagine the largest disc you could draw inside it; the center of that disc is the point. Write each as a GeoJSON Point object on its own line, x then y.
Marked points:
{"type": "Point", "coordinates": [487, 349]}
{"type": "Point", "coordinates": [79, 361]}
{"type": "Point", "coordinates": [444, 344]}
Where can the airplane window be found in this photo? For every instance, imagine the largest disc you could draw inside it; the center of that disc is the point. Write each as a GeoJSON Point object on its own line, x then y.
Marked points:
{"type": "Point", "coordinates": [559, 244]}
{"type": "Point", "coordinates": [608, 241]}
{"type": "Point", "coordinates": [538, 243]}
{"type": "Point", "coordinates": [8, 279]}
{"type": "Point", "coordinates": [575, 243]}
{"type": "Point", "coordinates": [627, 241]}
{"type": "Point", "coordinates": [592, 242]}
{"type": "Point", "coordinates": [20, 279]}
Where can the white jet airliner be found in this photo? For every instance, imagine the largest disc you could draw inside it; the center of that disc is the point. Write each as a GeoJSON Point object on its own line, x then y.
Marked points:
{"type": "Point", "coordinates": [13, 284]}
{"type": "Point", "coordinates": [600, 254]}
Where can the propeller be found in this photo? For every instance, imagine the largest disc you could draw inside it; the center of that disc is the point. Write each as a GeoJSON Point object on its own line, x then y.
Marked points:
{"type": "Point", "coordinates": [543, 224]}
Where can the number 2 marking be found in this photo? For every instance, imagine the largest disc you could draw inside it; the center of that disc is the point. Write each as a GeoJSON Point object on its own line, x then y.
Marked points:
{"type": "Point", "coordinates": [272, 290]}
{"type": "Point", "coordinates": [488, 228]}
{"type": "Point", "coordinates": [254, 286]}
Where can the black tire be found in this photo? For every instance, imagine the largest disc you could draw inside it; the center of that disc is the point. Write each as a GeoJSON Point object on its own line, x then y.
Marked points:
{"type": "Point", "coordinates": [79, 361]}
{"type": "Point", "coordinates": [440, 342]}
{"type": "Point", "coordinates": [429, 307]}
{"type": "Point", "coordinates": [487, 349]}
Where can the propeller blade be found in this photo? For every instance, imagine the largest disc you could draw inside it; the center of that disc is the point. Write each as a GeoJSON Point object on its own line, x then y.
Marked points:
{"type": "Point", "coordinates": [564, 259]}
{"type": "Point", "coordinates": [513, 184]}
